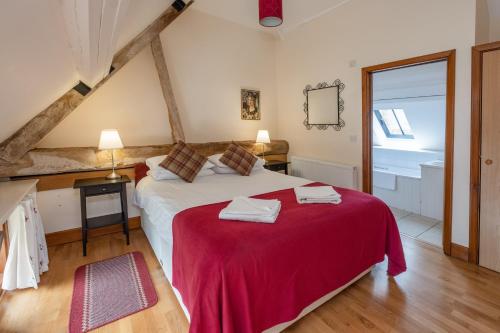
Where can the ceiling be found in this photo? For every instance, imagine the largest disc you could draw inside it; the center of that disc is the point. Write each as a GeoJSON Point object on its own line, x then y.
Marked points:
{"type": "Point", "coordinates": [432, 73]}
{"type": "Point", "coordinates": [420, 80]}
{"type": "Point", "coordinates": [246, 12]}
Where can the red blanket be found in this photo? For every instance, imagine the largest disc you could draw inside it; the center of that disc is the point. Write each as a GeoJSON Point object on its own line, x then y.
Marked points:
{"type": "Point", "coordinates": [238, 277]}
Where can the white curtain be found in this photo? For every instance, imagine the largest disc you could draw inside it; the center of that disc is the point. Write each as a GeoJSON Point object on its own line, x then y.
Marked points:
{"type": "Point", "coordinates": [27, 258]}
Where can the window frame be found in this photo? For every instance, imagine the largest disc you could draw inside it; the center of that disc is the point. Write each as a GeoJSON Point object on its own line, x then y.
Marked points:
{"type": "Point", "coordinates": [387, 132]}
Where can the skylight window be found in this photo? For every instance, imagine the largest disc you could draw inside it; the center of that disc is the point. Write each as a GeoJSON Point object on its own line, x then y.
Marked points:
{"type": "Point", "coordinates": [394, 123]}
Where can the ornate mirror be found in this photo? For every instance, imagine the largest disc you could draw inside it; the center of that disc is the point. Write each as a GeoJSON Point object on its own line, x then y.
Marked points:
{"type": "Point", "coordinates": [324, 106]}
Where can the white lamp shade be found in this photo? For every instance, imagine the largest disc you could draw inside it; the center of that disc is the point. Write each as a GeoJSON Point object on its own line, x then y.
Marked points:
{"type": "Point", "coordinates": [263, 137]}
{"type": "Point", "coordinates": [110, 139]}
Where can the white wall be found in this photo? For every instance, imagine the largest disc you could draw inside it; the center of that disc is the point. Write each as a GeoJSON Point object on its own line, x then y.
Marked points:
{"type": "Point", "coordinates": [494, 20]}
{"type": "Point", "coordinates": [355, 35]}
{"type": "Point", "coordinates": [210, 60]}
{"type": "Point", "coordinates": [487, 21]}
{"type": "Point", "coordinates": [483, 25]}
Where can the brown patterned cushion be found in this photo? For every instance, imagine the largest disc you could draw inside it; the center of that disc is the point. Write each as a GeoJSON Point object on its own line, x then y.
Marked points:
{"type": "Point", "coordinates": [184, 161]}
{"type": "Point", "coordinates": [237, 158]}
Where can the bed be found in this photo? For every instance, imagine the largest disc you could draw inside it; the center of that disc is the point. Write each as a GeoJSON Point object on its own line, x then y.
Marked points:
{"type": "Point", "coordinates": [241, 277]}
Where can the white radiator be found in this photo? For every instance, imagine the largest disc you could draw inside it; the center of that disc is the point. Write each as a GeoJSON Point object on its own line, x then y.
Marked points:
{"type": "Point", "coordinates": [326, 172]}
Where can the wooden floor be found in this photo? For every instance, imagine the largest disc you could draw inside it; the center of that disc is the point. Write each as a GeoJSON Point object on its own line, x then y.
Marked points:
{"type": "Point", "coordinates": [436, 294]}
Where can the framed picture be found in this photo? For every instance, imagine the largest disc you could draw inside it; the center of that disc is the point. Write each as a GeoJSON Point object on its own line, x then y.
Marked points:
{"type": "Point", "coordinates": [250, 104]}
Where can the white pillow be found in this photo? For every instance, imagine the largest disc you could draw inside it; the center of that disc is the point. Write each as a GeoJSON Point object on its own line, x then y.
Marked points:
{"type": "Point", "coordinates": [220, 167]}
{"type": "Point", "coordinates": [160, 173]}
{"type": "Point", "coordinates": [154, 162]}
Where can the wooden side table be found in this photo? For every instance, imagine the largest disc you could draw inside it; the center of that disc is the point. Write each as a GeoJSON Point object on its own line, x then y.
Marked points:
{"type": "Point", "coordinates": [277, 166]}
{"type": "Point", "coordinates": [101, 186]}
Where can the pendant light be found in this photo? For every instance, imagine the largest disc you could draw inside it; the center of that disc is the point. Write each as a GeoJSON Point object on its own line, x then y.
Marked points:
{"type": "Point", "coordinates": [270, 13]}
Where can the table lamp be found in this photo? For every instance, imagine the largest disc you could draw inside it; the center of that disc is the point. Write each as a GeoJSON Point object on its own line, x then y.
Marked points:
{"type": "Point", "coordinates": [263, 137]}
{"type": "Point", "coordinates": [110, 139]}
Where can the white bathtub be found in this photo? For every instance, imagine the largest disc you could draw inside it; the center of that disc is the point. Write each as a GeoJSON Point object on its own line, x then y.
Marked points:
{"type": "Point", "coordinates": [398, 187]}
{"type": "Point", "coordinates": [404, 172]}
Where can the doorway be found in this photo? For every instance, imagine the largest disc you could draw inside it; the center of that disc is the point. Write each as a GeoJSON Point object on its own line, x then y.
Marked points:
{"type": "Point", "coordinates": [392, 158]}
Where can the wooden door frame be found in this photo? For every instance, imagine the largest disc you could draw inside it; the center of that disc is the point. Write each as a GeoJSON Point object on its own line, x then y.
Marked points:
{"type": "Point", "coordinates": [475, 146]}
{"type": "Point", "coordinates": [367, 105]}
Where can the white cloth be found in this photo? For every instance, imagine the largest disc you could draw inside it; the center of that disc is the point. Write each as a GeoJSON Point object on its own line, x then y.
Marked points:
{"type": "Point", "coordinates": [317, 194]}
{"type": "Point", "coordinates": [27, 258]}
{"type": "Point", "coordinates": [251, 210]}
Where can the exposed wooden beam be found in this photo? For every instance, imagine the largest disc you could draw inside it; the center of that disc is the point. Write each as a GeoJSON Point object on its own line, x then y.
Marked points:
{"type": "Point", "coordinates": [166, 87]}
{"type": "Point", "coordinates": [146, 36]}
{"type": "Point", "coordinates": [15, 146]}
{"type": "Point", "coordinates": [43, 161]}
{"type": "Point", "coordinates": [25, 139]}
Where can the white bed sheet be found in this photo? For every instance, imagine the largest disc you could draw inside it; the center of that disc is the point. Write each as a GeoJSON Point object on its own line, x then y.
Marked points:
{"type": "Point", "coordinates": [161, 200]}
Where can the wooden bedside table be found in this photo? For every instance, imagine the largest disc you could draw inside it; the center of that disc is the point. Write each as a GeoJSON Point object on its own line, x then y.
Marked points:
{"type": "Point", "coordinates": [277, 166]}
{"type": "Point", "coordinates": [101, 186]}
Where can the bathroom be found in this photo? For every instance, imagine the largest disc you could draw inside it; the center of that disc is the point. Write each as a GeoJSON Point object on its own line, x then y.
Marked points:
{"type": "Point", "coordinates": [409, 127]}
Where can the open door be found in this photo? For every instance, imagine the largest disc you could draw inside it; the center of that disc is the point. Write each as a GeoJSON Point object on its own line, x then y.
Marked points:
{"type": "Point", "coordinates": [368, 114]}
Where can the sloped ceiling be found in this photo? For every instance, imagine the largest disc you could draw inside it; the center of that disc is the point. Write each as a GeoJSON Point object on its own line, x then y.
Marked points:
{"type": "Point", "coordinates": [140, 15]}
{"type": "Point", "coordinates": [36, 65]}
{"type": "Point", "coordinates": [414, 81]}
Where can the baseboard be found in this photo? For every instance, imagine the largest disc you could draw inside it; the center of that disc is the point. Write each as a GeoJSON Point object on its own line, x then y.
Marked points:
{"type": "Point", "coordinates": [459, 252]}
{"type": "Point", "coordinates": [75, 234]}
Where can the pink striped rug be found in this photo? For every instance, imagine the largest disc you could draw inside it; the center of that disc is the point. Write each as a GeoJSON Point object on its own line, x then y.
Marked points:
{"type": "Point", "coordinates": [109, 290]}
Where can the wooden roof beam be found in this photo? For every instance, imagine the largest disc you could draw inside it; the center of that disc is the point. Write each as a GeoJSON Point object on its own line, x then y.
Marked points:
{"type": "Point", "coordinates": [166, 88]}
{"type": "Point", "coordinates": [28, 136]}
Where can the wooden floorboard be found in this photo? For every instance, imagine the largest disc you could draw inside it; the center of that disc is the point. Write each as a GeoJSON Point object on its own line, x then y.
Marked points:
{"type": "Point", "coordinates": [436, 294]}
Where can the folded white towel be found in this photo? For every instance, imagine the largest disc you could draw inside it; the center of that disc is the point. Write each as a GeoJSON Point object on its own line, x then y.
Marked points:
{"type": "Point", "coordinates": [335, 201]}
{"type": "Point", "coordinates": [251, 210]}
{"type": "Point", "coordinates": [317, 194]}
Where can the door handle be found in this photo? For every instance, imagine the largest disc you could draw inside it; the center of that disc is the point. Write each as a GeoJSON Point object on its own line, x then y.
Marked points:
{"type": "Point", "coordinates": [488, 162]}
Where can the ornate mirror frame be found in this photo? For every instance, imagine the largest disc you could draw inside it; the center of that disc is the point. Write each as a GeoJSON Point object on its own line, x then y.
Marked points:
{"type": "Point", "coordinates": [323, 85]}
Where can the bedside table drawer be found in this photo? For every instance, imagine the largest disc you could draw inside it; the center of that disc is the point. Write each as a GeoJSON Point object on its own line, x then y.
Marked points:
{"type": "Point", "coordinates": [103, 189]}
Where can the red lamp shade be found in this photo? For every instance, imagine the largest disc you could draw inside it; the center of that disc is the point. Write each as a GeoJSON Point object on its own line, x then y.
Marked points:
{"type": "Point", "coordinates": [270, 13]}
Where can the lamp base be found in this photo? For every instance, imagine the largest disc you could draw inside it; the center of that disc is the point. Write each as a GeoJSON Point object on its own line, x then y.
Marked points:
{"type": "Point", "coordinates": [113, 175]}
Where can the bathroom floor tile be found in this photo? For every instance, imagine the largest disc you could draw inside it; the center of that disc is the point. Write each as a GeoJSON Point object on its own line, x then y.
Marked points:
{"type": "Point", "coordinates": [414, 225]}
{"type": "Point", "coordinates": [399, 213]}
{"type": "Point", "coordinates": [434, 235]}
